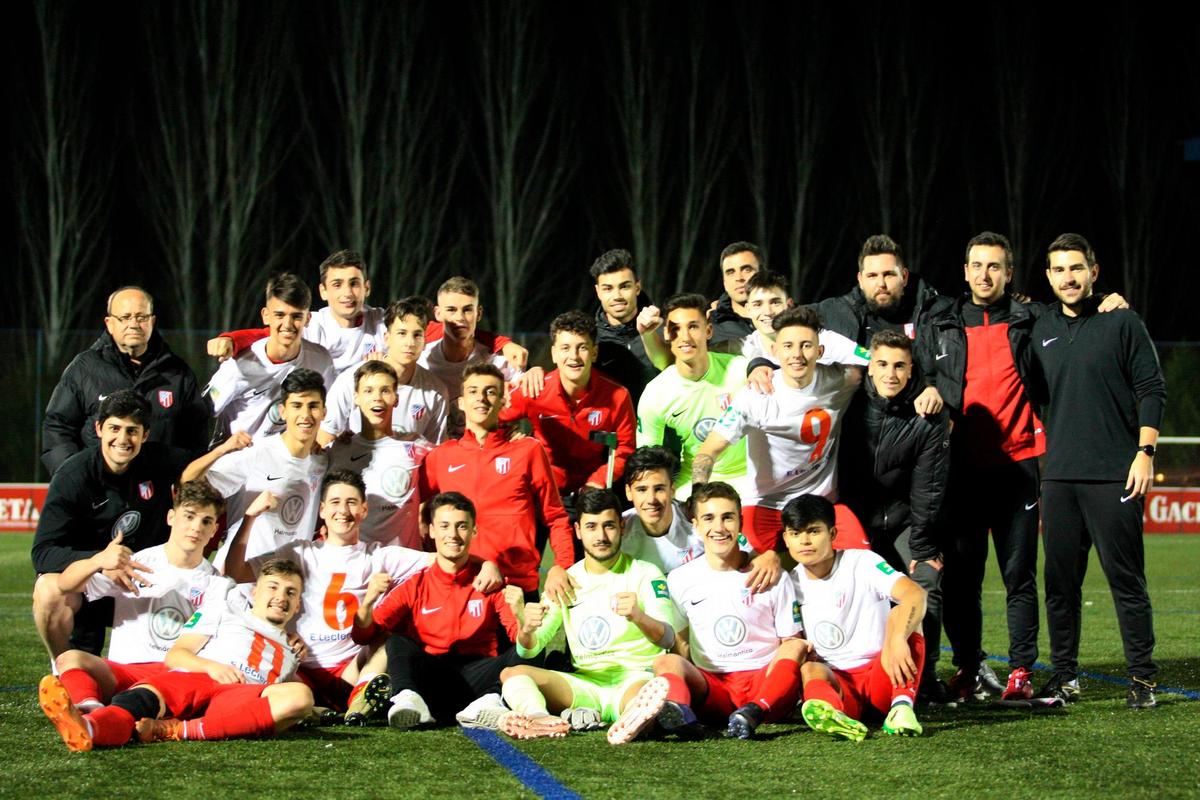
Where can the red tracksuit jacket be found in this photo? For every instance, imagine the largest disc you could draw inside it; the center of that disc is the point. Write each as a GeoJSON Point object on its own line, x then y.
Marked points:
{"type": "Point", "coordinates": [445, 614]}
{"type": "Point", "coordinates": [512, 487]}
{"type": "Point", "coordinates": [563, 427]}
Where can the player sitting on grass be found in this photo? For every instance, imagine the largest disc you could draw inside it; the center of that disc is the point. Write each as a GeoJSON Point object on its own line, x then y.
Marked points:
{"type": "Point", "coordinates": [744, 647]}
{"type": "Point", "coordinates": [868, 653]}
{"type": "Point", "coordinates": [445, 629]}
{"type": "Point", "coordinates": [171, 580]}
{"type": "Point", "coordinates": [620, 620]}
{"type": "Point", "coordinates": [226, 678]}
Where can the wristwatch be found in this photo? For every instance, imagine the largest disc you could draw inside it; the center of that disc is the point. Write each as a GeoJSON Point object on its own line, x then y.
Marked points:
{"type": "Point", "coordinates": [1148, 449]}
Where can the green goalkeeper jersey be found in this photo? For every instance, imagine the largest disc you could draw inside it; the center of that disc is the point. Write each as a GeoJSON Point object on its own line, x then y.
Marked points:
{"type": "Point", "coordinates": [691, 409]}
{"type": "Point", "coordinates": [603, 642]}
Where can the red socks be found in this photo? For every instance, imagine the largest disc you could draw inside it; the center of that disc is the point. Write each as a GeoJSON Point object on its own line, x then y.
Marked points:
{"type": "Point", "coordinates": [111, 726]}
{"type": "Point", "coordinates": [678, 691]}
{"type": "Point", "coordinates": [80, 685]}
{"type": "Point", "coordinates": [781, 682]}
{"type": "Point", "coordinates": [248, 721]}
{"type": "Point", "coordinates": [818, 689]}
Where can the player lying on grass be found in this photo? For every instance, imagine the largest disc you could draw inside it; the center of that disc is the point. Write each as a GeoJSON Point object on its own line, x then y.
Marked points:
{"type": "Point", "coordinates": [445, 629]}
{"type": "Point", "coordinates": [868, 654]}
{"type": "Point", "coordinates": [620, 620]}
{"type": "Point", "coordinates": [230, 675]}
{"type": "Point", "coordinates": [169, 581]}
{"type": "Point", "coordinates": [743, 647]}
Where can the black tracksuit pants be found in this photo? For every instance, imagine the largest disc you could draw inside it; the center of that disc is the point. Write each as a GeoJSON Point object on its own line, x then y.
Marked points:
{"type": "Point", "coordinates": [894, 548]}
{"type": "Point", "coordinates": [1077, 515]}
{"type": "Point", "coordinates": [1004, 500]}
{"type": "Point", "coordinates": [449, 682]}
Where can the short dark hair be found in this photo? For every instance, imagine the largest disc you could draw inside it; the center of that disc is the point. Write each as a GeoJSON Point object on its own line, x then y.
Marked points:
{"type": "Point", "coordinates": [125, 404]}
{"type": "Point", "coordinates": [128, 288]}
{"type": "Point", "coordinates": [685, 300]}
{"type": "Point", "coordinates": [878, 245]}
{"type": "Point", "coordinates": [198, 494]}
{"type": "Point", "coordinates": [456, 500]}
{"type": "Point", "coordinates": [612, 261]}
{"type": "Point", "coordinates": [412, 306]}
{"type": "Point", "coordinates": [802, 511]}
{"type": "Point", "coordinates": [744, 247]}
{"type": "Point", "coordinates": [649, 459]}
{"type": "Point", "coordinates": [894, 339]}
{"type": "Point", "coordinates": [990, 239]}
{"type": "Point", "coordinates": [575, 322]}
{"type": "Point", "coordinates": [347, 476]}
{"type": "Point", "coordinates": [374, 367]}
{"type": "Point", "coordinates": [1072, 241]}
{"type": "Point", "coordinates": [302, 380]}
{"type": "Point", "coordinates": [281, 566]}
{"type": "Point", "coordinates": [703, 492]}
{"type": "Point", "coordinates": [799, 316]}
{"type": "Point", "coordinates": [597, 501]}
{"type": "Point", "coordinates": [343, 258]}
{"type": "Point", "coordinates": [459, 285]}
{"type": "Point", "coordinates": [288, 288]}
{"type": "Point", "coordinates": [765, 279]}
{"type": "Point", "coordinates": [483, 368]}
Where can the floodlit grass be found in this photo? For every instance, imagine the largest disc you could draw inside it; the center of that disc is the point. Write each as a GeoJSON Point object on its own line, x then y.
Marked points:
{"type": "Point", "coordinates": [1095, 747]}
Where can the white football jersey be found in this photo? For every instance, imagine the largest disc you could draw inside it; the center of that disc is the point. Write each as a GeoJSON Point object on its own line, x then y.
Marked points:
{"type": "Point", "coordinates": [245, 390]}
{"type": "Point", "coordinates": [845, 613]}
{"type": "Point", "coordinates": [679, 545]}
{"type": "Point", "coordinates": [389, 469]}
{"type": "Point", "coordinates": [732, 629]}
{"type": "Point", "coordinates": [238, 638]}
{"type": "Point", "coordinates": [335, 582]}
{"type": "Point", "coordinates": [450, 373]}
{"type": "Point", "coordinates": [347, 346]}
{"type": "Point", "coordinates": [838, 349]}
{"type": "Point", "coordinates": [146, 625]}
{"type": "Point", "coordinates": [420, 407]}
{"type": "Point", "coordinates": [267, 466]}
{"type": "Point", "coordinates": [791, 436]}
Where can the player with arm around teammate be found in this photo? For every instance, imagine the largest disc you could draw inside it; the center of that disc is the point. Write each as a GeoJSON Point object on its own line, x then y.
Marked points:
{"type": "Point", "coordinates": [867, 653]}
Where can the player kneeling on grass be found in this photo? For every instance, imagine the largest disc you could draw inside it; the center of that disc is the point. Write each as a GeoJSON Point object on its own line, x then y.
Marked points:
{"type": "Point", "coordinates": [168, 581]}
{"type": "Point", "coordinates": [744, 651]}
{"type": "Point", "coordinates": [444, 643]}
{"type": "Point", "coordinates": [867, 654]}
{"type": "Point", "coordinates": [618, 622]}
{"type": "Point", "coordinates": [226, 681]}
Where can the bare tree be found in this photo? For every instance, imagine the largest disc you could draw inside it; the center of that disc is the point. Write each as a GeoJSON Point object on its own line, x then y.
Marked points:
{"type": "Point", "coordinates": [387, 183]}
{"type": "Point", "coordinates": [218, 88]}
{"type": "Point", "coordinates": [525, 159]}
{"type": "Point", "coordinates": [62, 181]}
{"type": "Point", "coordinates": [755, 154]}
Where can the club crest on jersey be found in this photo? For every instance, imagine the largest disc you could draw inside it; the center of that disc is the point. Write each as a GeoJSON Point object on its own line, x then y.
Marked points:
{"type": "Point", "coordinates": [910, 330]}
{"type": "Point", "coordinates": [594, 418]}
{"type": "Point", "coordinates": [146, 490]}
{"type": "Point", "coordinates": [502, 465]}
{"type": "Point", "coordinates": [475, 608]}
{"type": "Point", "coordinates": [418, 411]}
{"type": "Point", "coordinates": [166, 398]}
{"type": "Point", "coordinates": [747, 596]}
{"type": "Point", "coordinates": [195, 596]}
{"type": "Point", "coordinates": [723, 401]}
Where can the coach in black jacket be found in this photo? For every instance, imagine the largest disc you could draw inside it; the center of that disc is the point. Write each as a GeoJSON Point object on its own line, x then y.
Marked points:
{"type": "Point", "coordinates": [892, 470]}
{"type": "Point", "coordinates": [129, 355]}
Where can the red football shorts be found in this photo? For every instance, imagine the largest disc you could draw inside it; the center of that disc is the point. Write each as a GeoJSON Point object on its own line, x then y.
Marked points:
{"type": "Point", "coordinates": [763, 526]}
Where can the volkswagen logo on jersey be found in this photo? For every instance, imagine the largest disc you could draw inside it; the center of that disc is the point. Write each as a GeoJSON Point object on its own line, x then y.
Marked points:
{"type": "Point", "coordinates": [594, 418]}
{"type": "Point", "coordinates": [166, 623]}
{"type": "Point", "coordinates": [127, 523]}
{"type": "Point", "coordinates": [395, 482]}
{"type": "Point", "coordinates": [418, 411]}
{"type": "Point", "coordinates": [146, 490]}
{"type": "Point", "coordinates": [729, 630]}
{"type": "Point", "coordinates": [166, 398]}
{"type": "Point", "coordinates": [274, 415]}
{"type": "Point", "coordinates": [594, 633]}
{"type": "Point", "coordinates": [703, 427]}
{"type": "Point", "coordinates": [292, 510]}
{"type": "Point", "coordinates": [502, 465]}
{"type": "Point", "coordinates": [829, 636]}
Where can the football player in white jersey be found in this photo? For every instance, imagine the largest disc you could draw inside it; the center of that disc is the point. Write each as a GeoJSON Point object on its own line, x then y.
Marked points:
{"type": "Point", "coordinates": [229, 677]}
{"type": "Point", "coordinates": [244, 391]}
{"type": "Point", "coordinates": [420, 395]}
{"type": "Point", "coordinates": [744, 647]}
{"type": "Point", "coordinates": [868, 652]}
{"type": "Point", "coordinates": [387, 464]}
{"type": "Point", "coordinates": [458, 309]}
{"type": "Point", "coordinates": [792, 433]}
{"type": "Point", "coordinates": [284, 465]}
{"type": "Point", "coordinates": [170, 581]}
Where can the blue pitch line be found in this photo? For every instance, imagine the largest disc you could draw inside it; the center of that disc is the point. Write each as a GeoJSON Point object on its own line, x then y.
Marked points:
{"type": "Point", "coordinates": [1096, 676]}
{"type": "Point", "coordinates": [17, 688]}
{"type": "Point", "coordinates": [522, 767]}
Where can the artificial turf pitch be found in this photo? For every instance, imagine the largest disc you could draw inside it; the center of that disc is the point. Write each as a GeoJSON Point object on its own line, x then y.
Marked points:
{"type": "Point", "coordinates": [1092, 748]}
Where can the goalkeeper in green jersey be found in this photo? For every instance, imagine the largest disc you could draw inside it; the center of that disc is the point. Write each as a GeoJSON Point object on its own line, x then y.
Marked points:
{"type": "Point", "coordinates": [618, 621]}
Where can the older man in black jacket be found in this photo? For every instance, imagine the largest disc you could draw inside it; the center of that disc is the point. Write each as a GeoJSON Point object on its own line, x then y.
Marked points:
{"type": "Point", "coordinates": [892, 473]}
